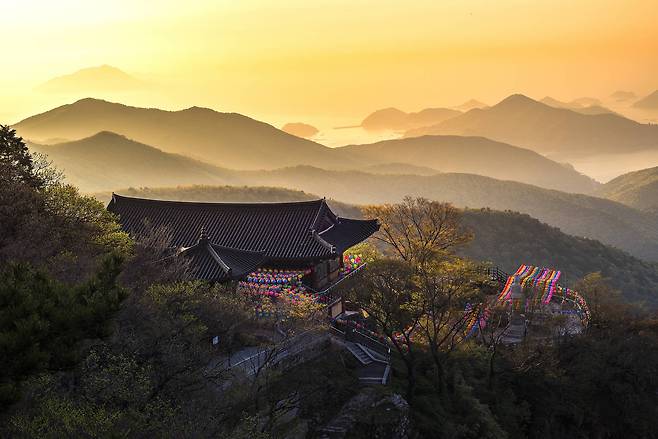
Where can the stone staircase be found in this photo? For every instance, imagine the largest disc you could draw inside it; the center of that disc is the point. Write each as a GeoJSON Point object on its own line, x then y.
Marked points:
{"type": "Point", "coordinates": [515, 332]}
{"type": "Point", "coordinates": [373, 355]}
{"type": "Point", "coordinates": [360, 352]}
{"type": "Point", "coordinates": [375, 369]}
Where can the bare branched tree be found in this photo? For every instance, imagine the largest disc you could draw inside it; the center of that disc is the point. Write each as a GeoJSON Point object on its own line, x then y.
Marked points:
{"type": "Point", "coordinates": [155, 260]}
{"type": "Point", "coordinates": [388, 294]}
{"type": "Point", "coordinates": [418, 230]}
{"type": "Point", "coordinates": [446, 288]}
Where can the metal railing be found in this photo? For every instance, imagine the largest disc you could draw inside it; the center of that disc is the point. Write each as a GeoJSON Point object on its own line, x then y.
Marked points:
{"type": "Point", "coordinates": [356, 336]}
{"type": "Point", "coordinates": [495, 273]}
{"type": "Point", "coordinates": [326, 293]}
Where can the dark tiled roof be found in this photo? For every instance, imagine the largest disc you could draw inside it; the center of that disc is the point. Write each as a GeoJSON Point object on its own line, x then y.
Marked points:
{"type": "Point", "coordinates": [216, 263]}
{"type": "Point", "coordinates": [345, 232]}
{"type": "Point", "coordinates": [283, 231]}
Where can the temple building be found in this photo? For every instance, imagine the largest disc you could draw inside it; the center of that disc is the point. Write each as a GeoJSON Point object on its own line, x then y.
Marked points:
{"type": "Point", "coordinates": [227, 241]}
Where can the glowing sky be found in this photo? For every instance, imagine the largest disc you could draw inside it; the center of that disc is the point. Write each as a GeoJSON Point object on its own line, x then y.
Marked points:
{"type": "Point", "coordinates": [336, 59]}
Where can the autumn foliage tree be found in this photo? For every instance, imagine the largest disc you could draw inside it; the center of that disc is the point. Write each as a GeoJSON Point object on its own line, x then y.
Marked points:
{"type": "Point", "coordinates": [417, 230]}
{"type": "Point", "coordinates": [417, 289]}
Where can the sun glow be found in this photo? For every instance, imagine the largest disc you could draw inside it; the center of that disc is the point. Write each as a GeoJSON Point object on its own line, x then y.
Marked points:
{"type": "Point", "coordinates": [329, 59]}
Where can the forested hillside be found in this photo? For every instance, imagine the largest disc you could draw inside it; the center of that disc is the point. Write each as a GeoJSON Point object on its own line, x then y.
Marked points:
{"type": "Point", "coordinates": [509, 239]}
{"type": "Point", "coordinates": [638, 189]}
{"type": "Point", "coordinates": [607, 221]}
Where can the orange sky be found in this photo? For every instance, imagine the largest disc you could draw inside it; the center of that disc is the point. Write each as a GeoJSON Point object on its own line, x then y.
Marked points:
{"type": "Point", "coordinates": [329, 60]}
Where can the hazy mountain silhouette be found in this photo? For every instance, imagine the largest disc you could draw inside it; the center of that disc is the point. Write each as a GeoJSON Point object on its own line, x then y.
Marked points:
{"type": "Point", "coordinates": [299, 129]}
{"type": "Point", "coordinates": [225, 139]}
{"type": "Point", "coordinates": [107, 160]}
{"type": "Point", "coordinates": [469, 105]}
{"type": "Point", "coordinates": [92, 79]}
{"type": "Point", "coordinates": [576, 106]}
{"type": "Point", "coordinates": [637, 189]}
{"type": "Point", "coordinates": [399, 169]}
{"type": "Point", "coordinates": [398, 120]}
{"type": "Point", "coordinates": [581, 215]}
{"type": "Point", "coordinates": [595, 109]}
{"type": "Point", "coordinates": [234, 141]}
{"type": "Point", "coordinates": [649, 102]}
{"type": "Point", "coordinates": [586, 102]}
{"type": "Point", "coordinates": [555, 103]}
{"type": "Point", "coordinates": [519, 120]}
{"type": "Point", "coordinates": [623, 96]}
{"type": "Point", "coordinates": [474, 155]}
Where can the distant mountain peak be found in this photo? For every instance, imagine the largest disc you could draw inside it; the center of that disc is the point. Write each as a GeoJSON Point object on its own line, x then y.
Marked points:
{"type": "Point", "coordinates": [226, 139]}
{"type": "Point", "coordinates": [93, 101]}
{"type": "Point", "coordinates": [470, 105]}
{"type": "Point", "coordinates": [108, 135]}
{"type": "Point", "coordinates": [649, 102]}
{"type": "Point", "coordinates": [566, 134]}
{"type": "Point", "coordinates": [389, 111]}
{"type": "Point", "coordinates": [196, 109]}
{"type": "Point", "coordinates": [392, 118]}
{"type": "Point", "coordinates": [473, 102]}
{"type": "Point", "coordinates": [581, 106]}
{"type": "Point", "coordinates": [551, 101]}
{"type": "Point", "coordinates": [516, 100]}
{"type": "Point", "coordinates": [106, 67]}
{"type": "Point", "coordinates": [99, 78]}
{"type": "Point", "coordinates": [622, 95]}
{"type": "Point", "coordinates": [586, 101]}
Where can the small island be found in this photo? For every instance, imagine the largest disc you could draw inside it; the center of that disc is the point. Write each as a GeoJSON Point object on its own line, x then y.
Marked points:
{"type": "Point", "coordinates": [299, 129]}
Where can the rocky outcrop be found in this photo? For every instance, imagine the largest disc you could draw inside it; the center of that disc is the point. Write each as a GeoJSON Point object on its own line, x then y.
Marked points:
{"type": "Point", "coordinates": [373, 414]}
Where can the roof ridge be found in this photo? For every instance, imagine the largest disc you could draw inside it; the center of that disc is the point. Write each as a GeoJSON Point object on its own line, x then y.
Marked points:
{"type": "Point", "coordinates": [224, 247]}
{"type": "Point", "coordinates": [323, 208]}
{"type": "Point", "coordinates": [324, 243]}
{"type": "Point", "coordinates": [217, 258]}
{"type": "Point", "coordinates": [221, 203]}
{"type": "Point", "coordinates": [314, 223]}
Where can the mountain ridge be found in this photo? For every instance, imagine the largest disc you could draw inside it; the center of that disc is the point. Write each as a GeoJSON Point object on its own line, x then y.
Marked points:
{"type": "Point", "coordinates": [649, 102]}
{"type": "Point", "coordinates": [610, 222]}
{"type": "Point", "coordinates": [637, 189]}
{"type": "Point", "coordinates": [224, 139]}
{"type": "Point", "coordinates": [109, 157]}
{"type": "Point", "coordinates": [235, 141]}
{"type": "Point", "coordinates": [397, 120]}
{"type": "Point", "coordinates": [476, 155]}
{"type": "Point", "coordinates": [520, 120]}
